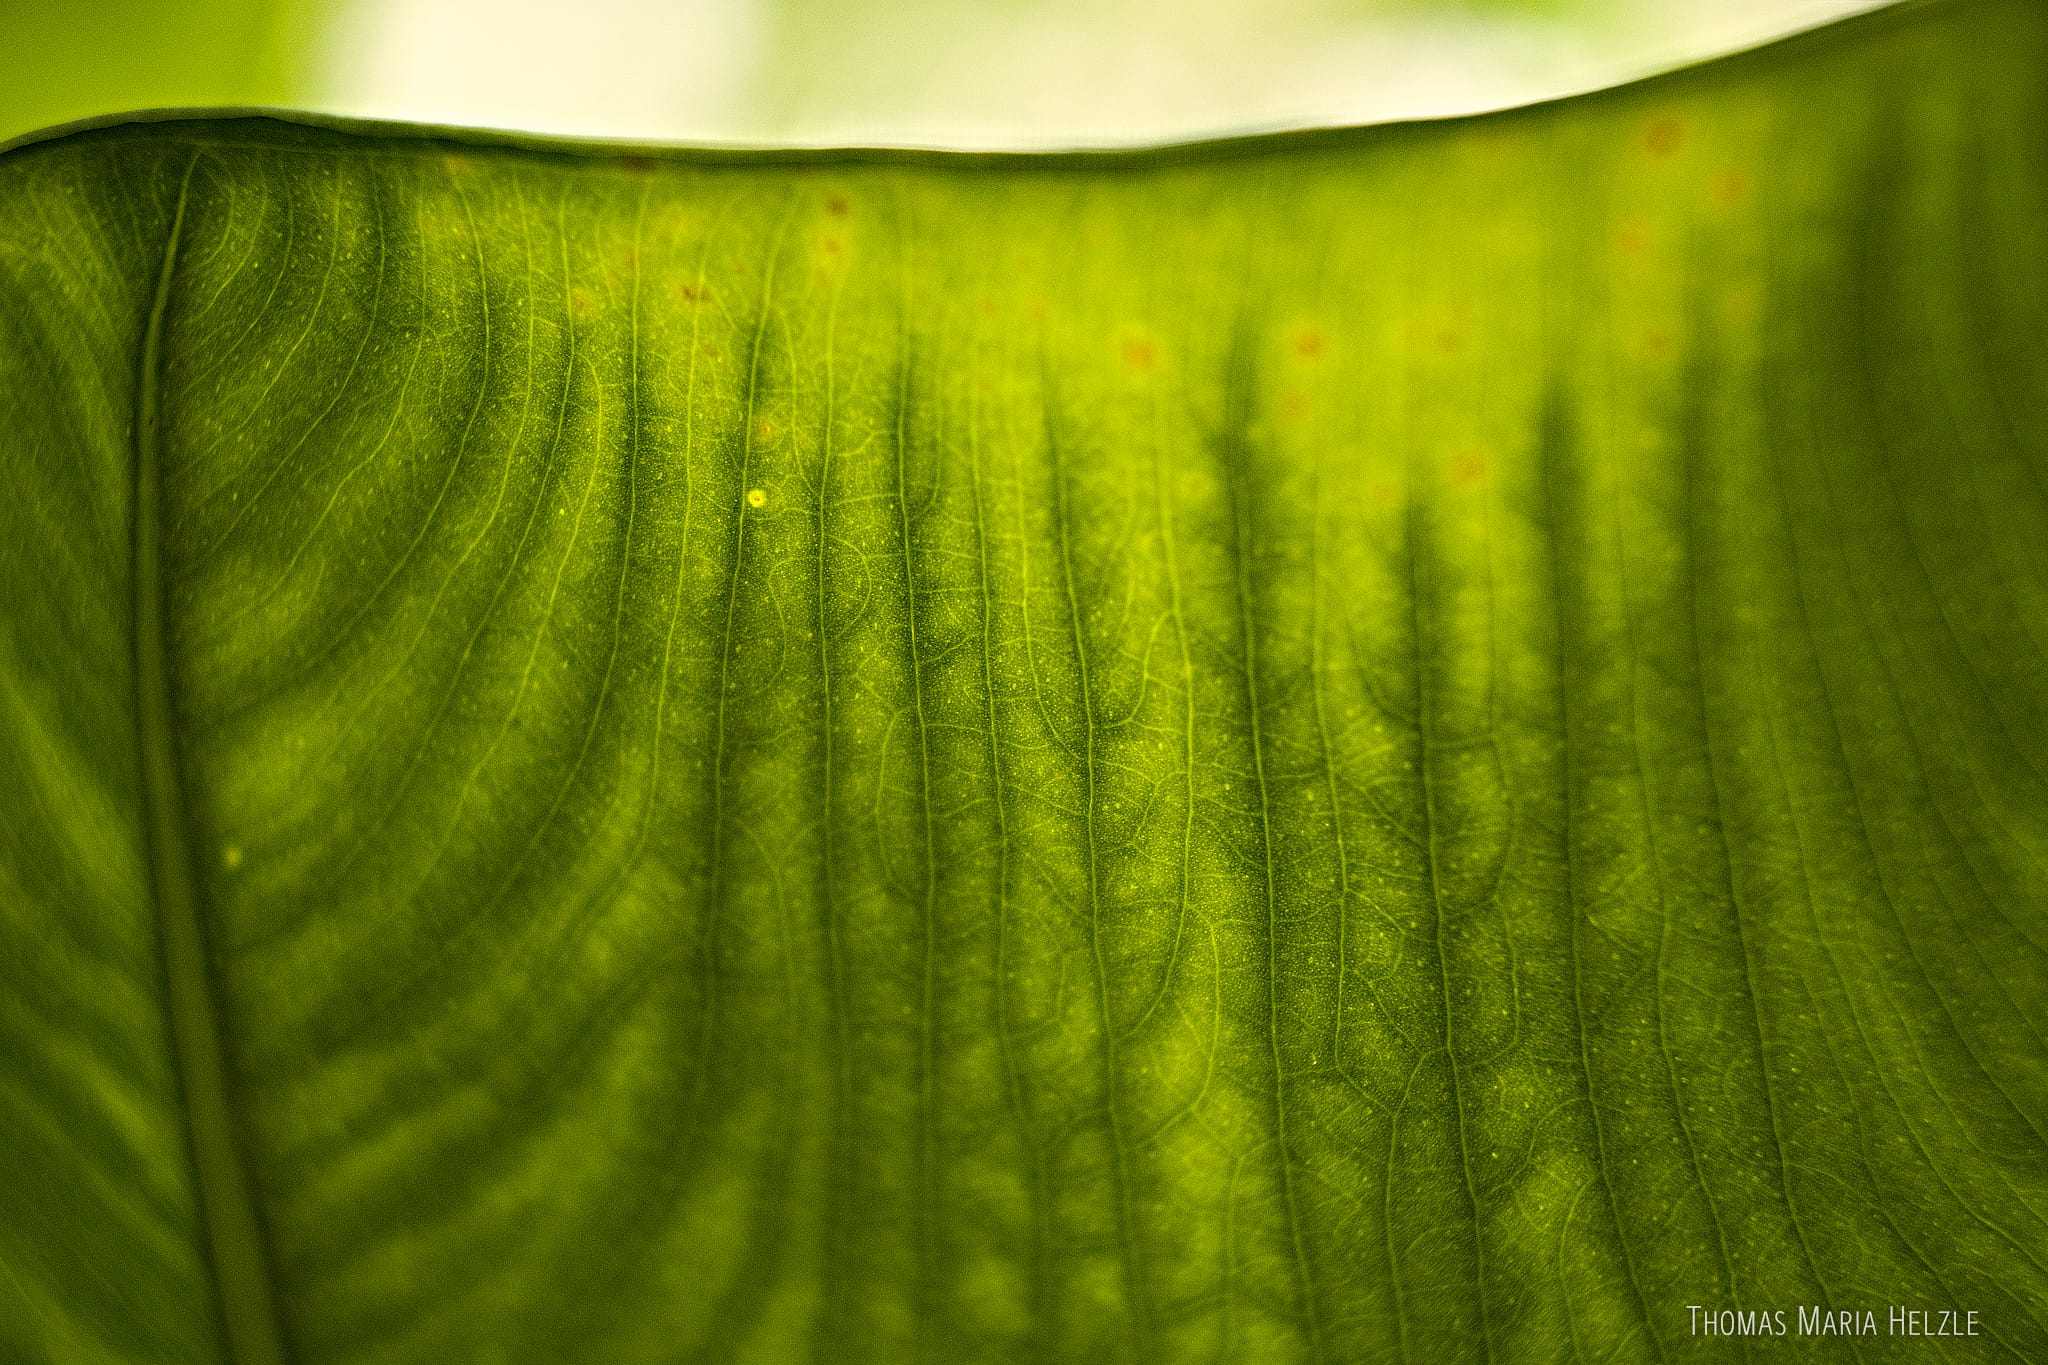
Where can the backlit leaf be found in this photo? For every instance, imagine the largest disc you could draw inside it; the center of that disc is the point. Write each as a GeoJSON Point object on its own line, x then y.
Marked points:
{"type": "Point", "coordinates": [1422, 743]}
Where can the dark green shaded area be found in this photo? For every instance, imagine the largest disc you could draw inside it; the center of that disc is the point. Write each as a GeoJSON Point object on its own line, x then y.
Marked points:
{"type": "Point", "coordinates": [1414, 744]}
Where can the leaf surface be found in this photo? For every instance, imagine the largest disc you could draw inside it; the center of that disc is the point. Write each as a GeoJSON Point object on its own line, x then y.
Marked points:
{"type": "Point", "coordinates": [1406, 744]}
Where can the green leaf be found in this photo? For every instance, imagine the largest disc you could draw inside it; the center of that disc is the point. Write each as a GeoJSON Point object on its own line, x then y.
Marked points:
{"type": "Point", "coordinates": [1422, 743]}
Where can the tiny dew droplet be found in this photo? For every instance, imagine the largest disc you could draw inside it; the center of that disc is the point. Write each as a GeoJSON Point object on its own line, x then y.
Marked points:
{"type": "Point", "coordinates": [757, 497]}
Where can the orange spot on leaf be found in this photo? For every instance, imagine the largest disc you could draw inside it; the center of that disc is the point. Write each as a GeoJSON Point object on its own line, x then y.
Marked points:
{"type": "Point", "coordinates": [836, 205]}
{"type": "Point", "coordinates": [1731, 186]}
{"type": "Point", "coordinates": [1308, 343]}
{"type": "Point", "coordinates": [1140, 354]}
{"type": "Point", "coordinates": [1664, 137]}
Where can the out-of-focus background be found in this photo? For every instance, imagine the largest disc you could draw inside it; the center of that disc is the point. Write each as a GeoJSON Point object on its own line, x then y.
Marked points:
{"type": "Point", "coordinates": [954, 73]}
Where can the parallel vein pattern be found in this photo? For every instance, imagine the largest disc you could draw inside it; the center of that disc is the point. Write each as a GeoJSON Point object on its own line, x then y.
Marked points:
{"type": "Point", "coordinates": [1425, 744]}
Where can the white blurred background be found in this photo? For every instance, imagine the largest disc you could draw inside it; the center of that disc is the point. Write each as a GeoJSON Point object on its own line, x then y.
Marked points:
{"type": "Point", "coordinates": [953, 73]}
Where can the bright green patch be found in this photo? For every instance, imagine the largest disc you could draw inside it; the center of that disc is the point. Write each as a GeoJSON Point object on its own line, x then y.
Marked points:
{"type": "Point", "coordinates": [1413, 744]}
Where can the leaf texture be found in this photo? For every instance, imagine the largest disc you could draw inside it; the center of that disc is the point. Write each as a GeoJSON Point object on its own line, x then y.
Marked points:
{"type": "Point", "coordinates": [1406, 744]}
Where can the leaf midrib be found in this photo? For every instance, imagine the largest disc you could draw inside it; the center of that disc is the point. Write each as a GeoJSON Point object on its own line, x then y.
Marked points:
{"type": "Point", "coordinates": [235, 1241]}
